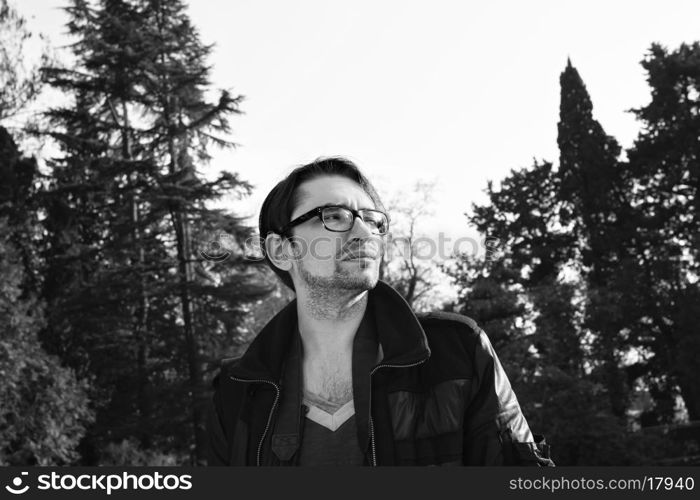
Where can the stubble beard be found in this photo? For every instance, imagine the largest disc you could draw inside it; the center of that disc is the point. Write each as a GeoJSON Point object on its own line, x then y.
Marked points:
{"type": "Point", "coordinates": [327, 293]}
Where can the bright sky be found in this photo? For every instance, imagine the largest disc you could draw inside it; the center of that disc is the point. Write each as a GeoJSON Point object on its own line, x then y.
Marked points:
{"type": "Point", "coordinates": [456, 91]}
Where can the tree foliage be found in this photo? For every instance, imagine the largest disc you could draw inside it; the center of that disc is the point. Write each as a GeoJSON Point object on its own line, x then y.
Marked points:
{"type": "Point", "coordinates": [44, 407]}
{"type": "Point", "coordinates": [412, 260]}
{"type": "Point", "coordinates": [665, 162]}
{"type": "Point", "coordinates": [129, 297]}
{"type": "Point", "coordinates": [591, 297]}
{"type": "Point", "coordinates": [113, 315]}
{"type": "Point", "coordinates": [19, 84]}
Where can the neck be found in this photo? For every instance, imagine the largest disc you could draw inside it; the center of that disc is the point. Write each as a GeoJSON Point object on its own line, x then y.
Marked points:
{"type": "Point", "coordinates": [329, 319]}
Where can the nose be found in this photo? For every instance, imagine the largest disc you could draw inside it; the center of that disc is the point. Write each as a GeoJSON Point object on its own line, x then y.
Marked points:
{"type": "Point", "coordinates": [360, 229]}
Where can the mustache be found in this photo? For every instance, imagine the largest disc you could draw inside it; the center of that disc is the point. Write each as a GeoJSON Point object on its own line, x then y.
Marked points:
{"type": "Point", "coordinates": [371, 248]}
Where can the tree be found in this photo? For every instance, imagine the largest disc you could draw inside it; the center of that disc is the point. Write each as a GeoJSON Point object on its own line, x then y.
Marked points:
{"type": "Point", "coordinates": [489, 294]}
{"type": "Point", "coordinates": [598, 255]}
{"type": "Point", "coordinates": [44, 406]}
{"type": "Point", "coordinates": [665, 161]}
{"type": "Point", "coordinates": [594, 189]}
{"type": "Point", "coordinates": [524, 214]}
{"type": "Point", "coordinates": [411, 264]}
{"type": "Point", "coordinates": [186, 123]}
{"type": "Point", "coordinates": [18, 85]}
{"type": "Point", "coordinates": [124, 212]}
{"type": "Point", "coordinates": [530, 301]}
{"type": "Point", "coordinates": [593, 183]}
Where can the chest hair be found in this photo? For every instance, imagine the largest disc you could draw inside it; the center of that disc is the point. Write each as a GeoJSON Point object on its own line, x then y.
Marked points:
{"type": "Point", "coordinates": [328, 381]}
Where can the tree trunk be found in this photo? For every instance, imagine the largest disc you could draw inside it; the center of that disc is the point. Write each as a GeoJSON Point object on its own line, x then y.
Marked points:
{"type": "Point", "coordinates": [691, 397]}
{"type": "Point", "coordinates": [185, 274]}
{"type": "Point", "coordinates": [140, 311]}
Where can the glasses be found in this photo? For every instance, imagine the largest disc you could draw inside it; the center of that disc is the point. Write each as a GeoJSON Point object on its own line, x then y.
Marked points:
{"type": "Point", "coordinates": [339, 219]}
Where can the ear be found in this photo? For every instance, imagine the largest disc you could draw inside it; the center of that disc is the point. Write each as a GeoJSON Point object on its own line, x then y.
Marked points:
{"type": "Point", "coordinates": [277, 250]}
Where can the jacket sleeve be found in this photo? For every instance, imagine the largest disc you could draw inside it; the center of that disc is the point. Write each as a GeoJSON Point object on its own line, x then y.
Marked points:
{"type": "Point", "coordinates": [496, 432]}
{"type": "Point", "coordinates": [216, 439]}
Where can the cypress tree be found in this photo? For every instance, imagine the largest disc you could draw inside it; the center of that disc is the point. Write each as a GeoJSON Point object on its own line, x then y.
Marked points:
{"type": "Point", "coordinates": [594, 191]}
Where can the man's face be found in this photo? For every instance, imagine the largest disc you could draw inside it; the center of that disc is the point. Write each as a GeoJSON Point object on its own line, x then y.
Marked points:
{"type": "Point", "coordinates": [331, 260]}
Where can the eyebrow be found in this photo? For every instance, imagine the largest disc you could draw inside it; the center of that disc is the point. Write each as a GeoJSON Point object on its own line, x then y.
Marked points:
{"type": "Point", "coordinates": [345, 205]}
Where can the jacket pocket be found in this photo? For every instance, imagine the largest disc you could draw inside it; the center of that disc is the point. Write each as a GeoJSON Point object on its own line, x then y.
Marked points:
{"type": "Point", "coordinates": [419, 415]}
{"type": "Point", "coordinates": [428, 426]}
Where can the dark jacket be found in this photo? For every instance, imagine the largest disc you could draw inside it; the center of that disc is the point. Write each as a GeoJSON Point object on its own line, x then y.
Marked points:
{"type": "Point", "coordinates": [439, 396]}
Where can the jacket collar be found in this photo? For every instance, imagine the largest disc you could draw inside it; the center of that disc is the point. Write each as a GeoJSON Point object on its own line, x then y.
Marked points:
{"type": "Point", "coordinates": [400, 334]}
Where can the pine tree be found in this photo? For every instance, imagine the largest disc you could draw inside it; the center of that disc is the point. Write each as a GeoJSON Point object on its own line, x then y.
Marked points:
{"type": "Point", "coordinates": [91, 252]}
{"type": "Point", "coordinates": [185, 125]}
{"type": "Point", "coordinates": [124, 206]}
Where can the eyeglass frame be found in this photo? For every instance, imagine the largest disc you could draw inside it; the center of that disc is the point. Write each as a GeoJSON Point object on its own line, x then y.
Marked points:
{"type": "Point", "coordinates": [318, 212]}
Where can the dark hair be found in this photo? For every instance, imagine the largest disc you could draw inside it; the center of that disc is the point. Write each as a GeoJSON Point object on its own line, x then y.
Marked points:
{"type": "Point", "coordinates": [280, 203]}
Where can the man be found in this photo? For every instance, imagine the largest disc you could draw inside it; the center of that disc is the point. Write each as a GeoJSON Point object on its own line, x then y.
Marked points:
{"type": "Point", "coordinates": [346, 374]}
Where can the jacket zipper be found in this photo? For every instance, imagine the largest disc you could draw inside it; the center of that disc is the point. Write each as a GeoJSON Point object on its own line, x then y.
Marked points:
{"type": "Point", "coordinates": [272, 410]}
{"type": "Point", "coordinates": [371, 421]}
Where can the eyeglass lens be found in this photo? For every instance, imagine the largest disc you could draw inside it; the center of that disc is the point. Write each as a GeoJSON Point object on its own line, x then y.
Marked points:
{"type": "Point", "coordinates": [342, 219]}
